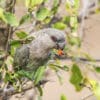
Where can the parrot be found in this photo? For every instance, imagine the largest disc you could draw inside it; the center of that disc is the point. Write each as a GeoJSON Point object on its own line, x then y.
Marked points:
{"type": "Point", "coordinates": [37, 53]}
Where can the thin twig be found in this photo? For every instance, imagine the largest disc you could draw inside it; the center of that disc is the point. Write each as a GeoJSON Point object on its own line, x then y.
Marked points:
{"type": "Point", "coordinates": [12, 91]}
{"type": "Point", "coordinates": [86, 97]}
{"type": "Point", "coordinates": [79, 58]}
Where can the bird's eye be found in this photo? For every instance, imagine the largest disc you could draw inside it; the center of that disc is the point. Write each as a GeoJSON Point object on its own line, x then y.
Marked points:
{"type": "Point", "coordinates": [54, 38]}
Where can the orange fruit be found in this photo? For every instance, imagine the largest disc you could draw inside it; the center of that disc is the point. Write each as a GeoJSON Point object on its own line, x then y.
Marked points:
{"type": "Point", "coordinates": [60, 52]}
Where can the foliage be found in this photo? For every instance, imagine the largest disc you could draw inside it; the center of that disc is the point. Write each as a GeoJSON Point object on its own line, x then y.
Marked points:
{"type": "Point", "coordinates": [40, 15]}
{"type": "Point", "coordinates": [39, 74]}
{"type": "Point", "coordinates": [76, 77]}
{"type": "Point", "coordinates": [59, 25]}
{"type": "Point", "coordinates": [8, 18]}
{"type": "Point", "coordinates": [63, 97]}
{"type": "Point", "coordinates": [44, 16]}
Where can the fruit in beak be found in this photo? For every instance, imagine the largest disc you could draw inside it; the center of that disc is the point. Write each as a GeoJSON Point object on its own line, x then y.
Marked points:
{"type": "Point", "coordinates": [60, 52]}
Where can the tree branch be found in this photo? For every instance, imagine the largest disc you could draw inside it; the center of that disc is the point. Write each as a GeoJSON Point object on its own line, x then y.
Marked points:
{"type": "Point", "coordinates": [12, 91]}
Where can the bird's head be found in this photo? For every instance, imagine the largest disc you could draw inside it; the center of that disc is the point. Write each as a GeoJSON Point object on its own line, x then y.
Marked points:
{"type": "Point", "coordinates": [59, 42]}
{"type": "Point", "coordinates": [50, 38]}
{"type": "Point", "coordinates": [58, 37]}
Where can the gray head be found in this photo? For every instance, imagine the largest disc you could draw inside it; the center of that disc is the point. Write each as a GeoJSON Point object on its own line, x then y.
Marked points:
{"type": "Point", "coordinates": [57, 36]}
{"type": "Point", "coordinates": [51, 36]}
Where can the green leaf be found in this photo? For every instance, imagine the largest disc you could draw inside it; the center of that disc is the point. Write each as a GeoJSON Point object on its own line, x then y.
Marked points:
{"type": "Point", "coordinates": [2, 17]}
{"type": "Point", "coordinates": [97, 11]}
{"type": "Point", "coordinates": [15, 43]}
{"type": "Point", "coordinates": [66, 68]}
{"type": "Point", "coordinates": [74, 23]}
{"type": "Point", "coordinates": [21, 34]}
{"type": "Point", "coordinates": [76, 77]}
{"type": "Point", "coordinates": [32, 3]}
{"type": "Point", "coordinates": [63, 97]}
{"type": "Point", "coordinates": [42, 13]}
{"type": "Point", "coordinates": [23, 73]}
{"type": "Point", "coordinates": [13, 50]}
{"type": "Point", "coordinates": [7, 78]}
{"type": "Point", "coordinates": [55, 3]}
{"type": "Point", "coordinates": [59, 25]}
{"type": "Point", "coordinates": [97, 69]}
{"type": "Point", "coordinates": [66, 19]}
{"type": "Point", "coordinates": [11, 19]}
{"type": "Point", "coordinates": [39, 74]}
{"type": "Point", "coordinates": [97, 91]}
{"type": "Point", "coordinates": [55, 7]}
{"type": "Point", "coordinates": [40, 90]}
{"type": "Point", "coordinates": [95, 86]}
{"type": "Point", "coordinates": [24, 19]}
{"type": "Point", "coordinates": [68, 6]}
{"type": "Point", "coordinates": [73, 6]}
{"type": "Point", "coordinates": [8, 18]}
{"type": "Point", "coordinates": [75, 41]}
{"type": "Point", "coordinates": [47, 20]}
{"type": "Point", "coordinates": [76, 4]}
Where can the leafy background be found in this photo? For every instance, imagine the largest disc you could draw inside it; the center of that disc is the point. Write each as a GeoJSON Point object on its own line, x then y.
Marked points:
{"type": "Point", "coordinates": [69, 24]}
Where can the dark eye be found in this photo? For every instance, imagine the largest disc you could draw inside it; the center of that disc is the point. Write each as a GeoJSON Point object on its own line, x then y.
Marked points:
{"type": "Point", "coordinates": [54, 38]}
